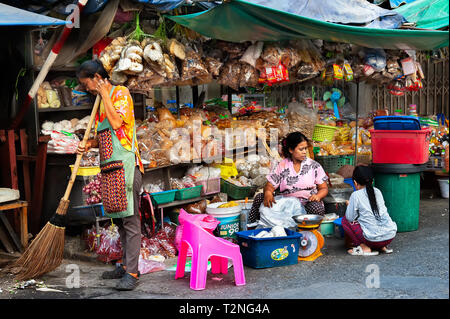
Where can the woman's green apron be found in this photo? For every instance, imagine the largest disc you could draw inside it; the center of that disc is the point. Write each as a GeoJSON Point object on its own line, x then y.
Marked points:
{"type": "Point", "coordinates": [117, 166]}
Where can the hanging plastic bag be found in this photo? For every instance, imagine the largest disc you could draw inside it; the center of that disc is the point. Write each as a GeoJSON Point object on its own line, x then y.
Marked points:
{"type": "Point", "coordinates": [110, 247]}
{"type": "Point", "coordinates": [281, 212]}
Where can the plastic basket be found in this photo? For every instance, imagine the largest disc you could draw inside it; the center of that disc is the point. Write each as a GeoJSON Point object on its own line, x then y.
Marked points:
{"type": "Point", "coordinates": [400, 147]}
{"type": "Point", "coordinates": [188, 193]}
{"type": "Point", "coordinates": [332, 163]}
{"type": "Point", "coordinates": [269, 252]}
{"type": "Point", "coordinates": [236, 192]}
{"type": "Point", "coordinates": [396, 123]}
{"type": "Point", "coordinates": [86, 171]}
{"type": "Point", "coordinates": [210, 186]}
{"type": "Point", "coordinates": [324, 133]}
{"type": "Point", "coordinates": [163, 197]}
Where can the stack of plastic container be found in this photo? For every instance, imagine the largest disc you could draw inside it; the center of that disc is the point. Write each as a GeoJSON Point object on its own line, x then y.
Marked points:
{"type": "Point", "coordinates": [400, 152]}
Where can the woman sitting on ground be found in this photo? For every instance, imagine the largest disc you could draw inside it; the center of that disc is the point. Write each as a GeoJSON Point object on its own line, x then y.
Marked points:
{"type": "Point", "coordinates": [297, 176]}
{"type": "Point", "coordinates": [366, 219]}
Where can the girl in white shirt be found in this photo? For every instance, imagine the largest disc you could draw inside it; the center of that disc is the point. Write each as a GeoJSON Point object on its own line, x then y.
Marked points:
{"type": "Point", "coordinates": [366, 219]}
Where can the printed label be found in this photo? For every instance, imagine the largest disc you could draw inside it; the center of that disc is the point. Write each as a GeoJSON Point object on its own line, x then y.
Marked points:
{"type": "Point", "coordinates": [279, 254]}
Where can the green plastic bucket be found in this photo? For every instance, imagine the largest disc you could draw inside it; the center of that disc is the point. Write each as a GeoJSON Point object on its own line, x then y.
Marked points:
{"type": "Point", "coordinates": [401, 193]}
{"type": "Point", "coordinates": [229, 225]}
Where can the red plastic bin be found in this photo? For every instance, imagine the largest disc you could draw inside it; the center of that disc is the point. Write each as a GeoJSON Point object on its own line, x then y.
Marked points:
{"type": "Point", "coordinates": [400, 147]}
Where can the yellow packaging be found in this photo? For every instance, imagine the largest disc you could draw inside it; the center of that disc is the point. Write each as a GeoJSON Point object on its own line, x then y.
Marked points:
{"type": "Point", "coordinates": [338, 73]}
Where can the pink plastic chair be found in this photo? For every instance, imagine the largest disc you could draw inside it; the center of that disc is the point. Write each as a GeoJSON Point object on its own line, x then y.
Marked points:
{"type": "Point", "coordinates": [206, 246]}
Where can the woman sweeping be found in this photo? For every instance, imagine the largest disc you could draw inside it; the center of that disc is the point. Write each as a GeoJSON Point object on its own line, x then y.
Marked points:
{"type": "Point", "coordinates": [296, 175]}
{"type": "Point", "coordinates": [366, 219]}
{"type": "Point", "coordinates": [120, 164]}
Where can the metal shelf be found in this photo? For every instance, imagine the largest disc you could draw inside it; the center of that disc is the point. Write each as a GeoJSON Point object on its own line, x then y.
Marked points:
{"type": "Point", "coordinates": [66, 108]}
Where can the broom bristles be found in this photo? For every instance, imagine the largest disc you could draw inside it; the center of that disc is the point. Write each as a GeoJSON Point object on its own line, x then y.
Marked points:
{"type": "Point", "coordinates": [46, 251]}
{"type": "Point", "coordinates": [43, 255]}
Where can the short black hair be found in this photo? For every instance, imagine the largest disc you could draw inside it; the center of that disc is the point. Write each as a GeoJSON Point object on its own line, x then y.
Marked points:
{"type": "Point", "coordinates": [88, 69]}
{"type": "Point", "coordinates": [291, 141]}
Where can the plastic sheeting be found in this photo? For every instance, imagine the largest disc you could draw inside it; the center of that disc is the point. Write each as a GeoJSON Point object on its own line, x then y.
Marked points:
{"type": "Point", "coordinates": [167, 5]}
{"type": "Point", "coordinates": [427, 14]}
{"type": "Point", "coordinates": [239, 21]}
{"type": "Point", "coordinates": [92, 29]}
{"type": "Point", "coordinates": [355, 12]}
{"type": "Point", "coordinates": [13, 16]}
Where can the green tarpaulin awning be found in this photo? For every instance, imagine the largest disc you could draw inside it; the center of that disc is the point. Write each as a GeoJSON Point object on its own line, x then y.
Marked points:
{"type": "Point", "coordinates": [427, 14]}
{"type": "Point", "coordinates": [238, 21]}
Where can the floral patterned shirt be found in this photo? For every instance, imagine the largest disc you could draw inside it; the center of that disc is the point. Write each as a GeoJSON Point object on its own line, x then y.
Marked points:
{"type": "Point", "coordinates": [123, 103]}
{"type": "Point", "coordinates": [302, 184]}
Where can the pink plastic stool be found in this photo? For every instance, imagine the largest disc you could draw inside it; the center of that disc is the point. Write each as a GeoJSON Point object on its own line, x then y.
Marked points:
{"type": "Point", "coordinates": [206, 246]}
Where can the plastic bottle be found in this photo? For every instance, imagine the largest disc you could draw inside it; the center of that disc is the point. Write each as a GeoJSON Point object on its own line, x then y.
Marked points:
{"type": "Point", "coordinates": [413, 110]}
{"type": "Point", "coordinates": [172, 106]}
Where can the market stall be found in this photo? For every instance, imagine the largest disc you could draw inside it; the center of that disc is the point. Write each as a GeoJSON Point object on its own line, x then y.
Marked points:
{"type": "Point", "coordinates": [219, 149]}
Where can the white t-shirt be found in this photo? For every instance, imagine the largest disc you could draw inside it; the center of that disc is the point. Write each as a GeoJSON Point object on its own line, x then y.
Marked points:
{"type": "Point", "coordinates": [359, 209]}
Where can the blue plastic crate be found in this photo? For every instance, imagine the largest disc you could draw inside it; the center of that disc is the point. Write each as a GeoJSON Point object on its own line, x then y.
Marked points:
{"type": "Point", "coordinates": [269, 252]}
{"type": "Point", "coordinates": [349, 181]}
{"type": "Point", "coordinates": [396, 123]}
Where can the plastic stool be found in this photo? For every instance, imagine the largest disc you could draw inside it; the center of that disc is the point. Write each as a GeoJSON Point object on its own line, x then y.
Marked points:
{"type": "Point", "coordinates": [206, 246]}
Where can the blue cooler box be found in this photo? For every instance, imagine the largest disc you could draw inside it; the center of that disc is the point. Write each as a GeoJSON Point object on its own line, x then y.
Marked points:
{"type": "Point", "coordinates": [269, 252]}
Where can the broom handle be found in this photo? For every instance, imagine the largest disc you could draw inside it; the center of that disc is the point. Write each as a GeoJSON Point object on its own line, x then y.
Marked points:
{"type": "Point", "coordinates": [82, 143]}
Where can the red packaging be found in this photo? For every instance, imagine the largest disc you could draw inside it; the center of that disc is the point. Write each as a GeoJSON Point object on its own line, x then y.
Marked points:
{"type": "Point", "coordinates": [274, 75]}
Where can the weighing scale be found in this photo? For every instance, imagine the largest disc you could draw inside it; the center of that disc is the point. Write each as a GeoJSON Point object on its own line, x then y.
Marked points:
{"type": "Point", "coordinates": [312, 241]}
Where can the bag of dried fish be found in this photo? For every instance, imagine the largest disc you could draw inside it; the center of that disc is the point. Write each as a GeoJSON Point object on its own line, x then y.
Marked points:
{"type": "Point", "coordinates": [192, 66]}
{"type": "Point", "coordinates": [271, 54]}
{"type": "Point", "coordinates": [249, 76]}
{"type": "Point", "coordinates": [176, 49]}
{"type": "Point", "coordinates": [153, 52]}
{"type": "Point", "coordinates": [234, 50]}
{"type": "Point", "coordinates": [230, 74]}
{"type": "Point", "coordinates": [213, 65]}
{"type": "Point", "coordinates": [111, 54]}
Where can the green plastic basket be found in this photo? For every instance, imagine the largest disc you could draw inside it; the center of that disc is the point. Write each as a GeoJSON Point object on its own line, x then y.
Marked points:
{"type": "Point", "coordinates": [163, 197]}
{"type": "Point", "coordinates": [324, 133]}
{"type": "Point", "coordinates": [332, 163]}
{"type": "Point", "coordinates": [236, 192]}
{"type": "Point", "coordinates": [188, 193]}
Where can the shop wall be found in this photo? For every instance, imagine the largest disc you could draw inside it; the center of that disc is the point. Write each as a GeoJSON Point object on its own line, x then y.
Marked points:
{"type": "Point", "coordinates": [432, 99]}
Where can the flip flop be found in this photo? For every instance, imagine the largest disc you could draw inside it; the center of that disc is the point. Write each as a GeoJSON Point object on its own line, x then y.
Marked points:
{"type": "Point", "coordinates": [387, 251]}
{"type": "Point", "coordinates": [358, 251]}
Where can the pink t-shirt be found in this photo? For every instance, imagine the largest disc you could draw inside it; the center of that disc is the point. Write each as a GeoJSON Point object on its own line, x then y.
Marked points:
{"type": "Point", "coordinates": [302, 184]}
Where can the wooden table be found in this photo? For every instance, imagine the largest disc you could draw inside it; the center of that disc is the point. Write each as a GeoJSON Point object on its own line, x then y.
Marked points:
{"type": "Point", "coordinates": [22, 207]}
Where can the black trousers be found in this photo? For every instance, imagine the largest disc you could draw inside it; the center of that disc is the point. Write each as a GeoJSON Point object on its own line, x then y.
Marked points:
{"type": "Point", "coordinates": [130, 229]}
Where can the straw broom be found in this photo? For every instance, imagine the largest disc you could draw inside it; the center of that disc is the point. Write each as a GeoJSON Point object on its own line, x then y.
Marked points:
{"type": "Point", "coordinates": [46, 251]}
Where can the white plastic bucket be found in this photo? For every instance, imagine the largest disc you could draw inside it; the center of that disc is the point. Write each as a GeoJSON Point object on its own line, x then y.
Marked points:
{"type": "Point", "coordinates": [443, 184]}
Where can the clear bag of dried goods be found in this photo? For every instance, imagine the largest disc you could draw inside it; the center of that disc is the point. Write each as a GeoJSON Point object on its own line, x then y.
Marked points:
{"type": "Point", "coordinates": [110, 247]}
{"type": "Point", "coordinates": [192, 66]}
{"type": "Point", "coordinates": [146, 266]}
{"type": "Point", "coordinates": [230, 74]}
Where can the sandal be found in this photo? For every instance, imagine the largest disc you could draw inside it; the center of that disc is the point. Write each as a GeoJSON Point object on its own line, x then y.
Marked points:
{"type": "Point", "coordinates": [387, 251]}
{"type": "Point", "coordinates": [358, 251]}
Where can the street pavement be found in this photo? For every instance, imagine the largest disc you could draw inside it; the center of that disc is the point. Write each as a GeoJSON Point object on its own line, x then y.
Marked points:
{"type": "Point", "coordinates": [418, 269]}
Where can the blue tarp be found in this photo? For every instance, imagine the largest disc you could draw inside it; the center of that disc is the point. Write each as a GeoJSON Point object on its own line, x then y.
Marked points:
{"type": "Point", "coordinates": [167, 5]}
{"type": "Point", "coordinates": [397, 3]}
{"type": "Point", "coordinates": [13, 16]}
{"type": "Point", "coordinates": [349, 12]}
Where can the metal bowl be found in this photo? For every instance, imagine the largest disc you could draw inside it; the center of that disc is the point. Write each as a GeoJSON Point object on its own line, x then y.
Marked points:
{"type": "Point", "coordinates": [308, 219]}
